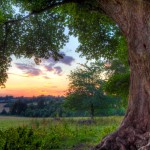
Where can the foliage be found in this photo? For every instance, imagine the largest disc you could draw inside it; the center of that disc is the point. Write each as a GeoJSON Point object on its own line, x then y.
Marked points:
{"type": "Point", "coordinates": [19, 138]}
{"type": "Point", "coordinates": [118, 84]}
{"type": "Point", "coordinates": [98, 35]}
{"type": "Point", "coordinates": [40, 104]}
{"type": "Point", "coordinates": [18, 108]}
{"type": "Point", "coordinates": [118, 80]}
{"type": "Point", "coordinates": [39, 36]}
{"type": "Point", "coordinates": [85, 90]}
{"type": "Point", "coordinates": [68, 133]}
{"type": "Point", "coordinates": [36, 30]}
{"type": "Point", "coordinates": [51, 106]}
{"type": "Point", "coordinates": [45, 107]}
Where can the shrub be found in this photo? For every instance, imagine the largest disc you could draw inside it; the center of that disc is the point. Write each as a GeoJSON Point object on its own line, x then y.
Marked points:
{"type": "Point", "coordinates": [21, 138]}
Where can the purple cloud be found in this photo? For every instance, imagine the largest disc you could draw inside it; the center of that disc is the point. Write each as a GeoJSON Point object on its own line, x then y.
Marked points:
{"type": "Point", "coordinates": [22, 66]}
{"type": "Point", "coordinates": [49, 67]}
{"type": "Point", "coordinates": [67, 60]}
{"type": "Point", "coordinates": [58, 70]}
{"type": "Point", "coordinates": [34, 72]}
{"type": "Point", "coordinates": [53, 68]}
{"type": "Point", "coordinates": [29, 70]}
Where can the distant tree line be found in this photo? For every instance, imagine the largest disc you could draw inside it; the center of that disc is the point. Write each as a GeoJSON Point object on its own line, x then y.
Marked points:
{"type": "Point", "coordinates": [50, 106]}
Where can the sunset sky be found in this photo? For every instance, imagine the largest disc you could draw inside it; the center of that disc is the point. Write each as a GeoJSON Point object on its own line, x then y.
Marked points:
{"type": "Point", "coordinates": [48, 78]}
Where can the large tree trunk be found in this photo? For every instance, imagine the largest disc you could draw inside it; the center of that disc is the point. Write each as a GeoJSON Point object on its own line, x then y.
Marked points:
{"type": "Point", "coordinates": [134, 131]}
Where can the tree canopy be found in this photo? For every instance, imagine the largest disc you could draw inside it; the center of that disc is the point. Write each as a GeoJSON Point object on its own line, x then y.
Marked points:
{"type": "Point", "coordinates": [85, 90]}
{"type": "Point", "coordinates": [118, 79]}
{"type": "Point", "coordinates": [36, 29]}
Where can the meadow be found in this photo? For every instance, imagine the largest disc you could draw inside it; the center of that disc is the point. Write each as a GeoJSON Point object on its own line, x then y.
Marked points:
{"type": "Point", "coordinates": [18, 133]}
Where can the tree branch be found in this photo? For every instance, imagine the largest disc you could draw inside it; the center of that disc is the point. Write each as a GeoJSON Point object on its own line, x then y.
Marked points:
{"type": "Point", "coordinates": [35, 12]}
{"type": "Point", "coordinates": [118, 11]}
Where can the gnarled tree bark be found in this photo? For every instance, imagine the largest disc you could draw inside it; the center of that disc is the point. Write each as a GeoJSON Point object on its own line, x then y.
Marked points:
{"type": "Point", "coordinates": [133, 18]}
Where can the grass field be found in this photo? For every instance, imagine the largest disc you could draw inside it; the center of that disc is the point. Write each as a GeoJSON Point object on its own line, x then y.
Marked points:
{"type": "Point", "coordinates": [64, 133]}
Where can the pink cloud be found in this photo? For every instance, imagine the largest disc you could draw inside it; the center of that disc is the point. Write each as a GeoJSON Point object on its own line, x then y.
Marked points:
{"type": "Point", "coordinates": [29, 70]}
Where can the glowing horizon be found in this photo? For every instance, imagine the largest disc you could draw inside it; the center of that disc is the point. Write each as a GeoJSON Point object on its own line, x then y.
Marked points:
{"type": "Point", "coordinates": [34, 86]}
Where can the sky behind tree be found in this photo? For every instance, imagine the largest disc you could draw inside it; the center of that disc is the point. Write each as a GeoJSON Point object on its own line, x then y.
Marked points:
{"type": "Point", "coordinates": [49, 78]}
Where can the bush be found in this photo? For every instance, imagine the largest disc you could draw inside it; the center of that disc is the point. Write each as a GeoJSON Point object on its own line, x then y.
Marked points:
{"type": "Point", "coordinates": [24, 138]}
{"type": "Point", "coordinates": [21, 138]}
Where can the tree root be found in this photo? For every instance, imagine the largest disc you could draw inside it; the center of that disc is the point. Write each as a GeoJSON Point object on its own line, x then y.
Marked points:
{"type": "Point", "coordinates": [125, 139]}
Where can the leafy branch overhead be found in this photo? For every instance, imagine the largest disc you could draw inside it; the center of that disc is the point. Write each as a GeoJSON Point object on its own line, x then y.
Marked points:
{"type": "Point", "coordinates": [36, 29]}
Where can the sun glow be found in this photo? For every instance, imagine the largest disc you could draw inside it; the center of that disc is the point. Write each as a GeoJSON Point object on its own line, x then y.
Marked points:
{"type": "Point", "coordinates": [18, 85]}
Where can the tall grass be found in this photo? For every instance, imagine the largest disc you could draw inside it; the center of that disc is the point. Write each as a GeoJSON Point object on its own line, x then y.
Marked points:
{"type": "Point", "coordinates": [66, 133]}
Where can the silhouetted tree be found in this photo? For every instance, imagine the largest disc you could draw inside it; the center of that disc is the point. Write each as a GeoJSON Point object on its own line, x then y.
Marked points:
{"type": "Point", "coordinates": [18, 108]}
